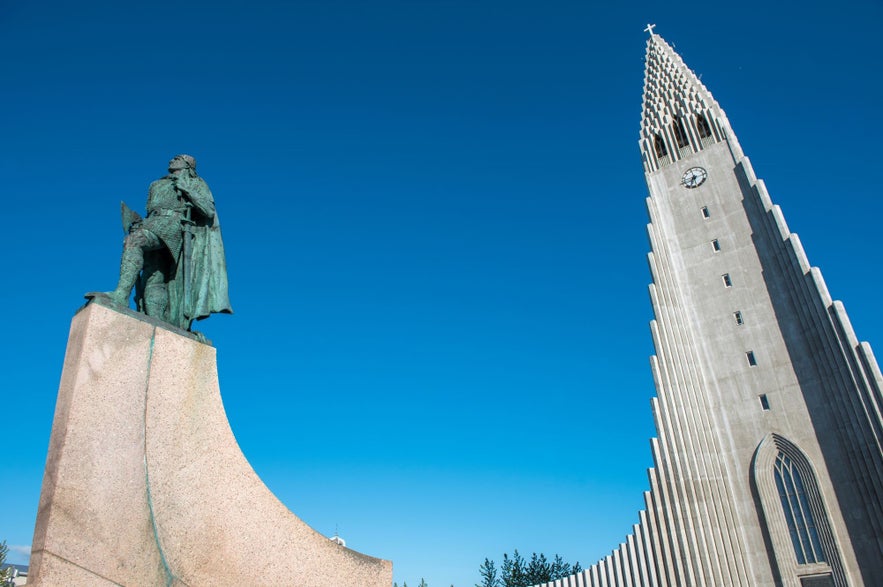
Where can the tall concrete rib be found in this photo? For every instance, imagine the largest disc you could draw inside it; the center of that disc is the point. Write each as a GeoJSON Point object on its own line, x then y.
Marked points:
{"type": "Point", "coordinates": [146, 485]}
{"type": "Point", "coordinates": [769, 456]}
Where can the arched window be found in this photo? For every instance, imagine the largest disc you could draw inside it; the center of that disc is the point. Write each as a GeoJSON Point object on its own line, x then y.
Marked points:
{"type": "Point", "coordinates": [659, 145]}
{"type": "Point", "coordinates": [798, 515]}
{"type": "Point", "coordinates": [680, 134]}
{"type": "Point", "coordinates": [792, 508]}
{"type": "Point", "coordinates": [702, 126]}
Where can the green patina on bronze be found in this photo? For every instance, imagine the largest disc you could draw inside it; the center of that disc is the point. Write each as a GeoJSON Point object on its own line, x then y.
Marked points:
{"type": "Point", "coordinates": [174, 258]}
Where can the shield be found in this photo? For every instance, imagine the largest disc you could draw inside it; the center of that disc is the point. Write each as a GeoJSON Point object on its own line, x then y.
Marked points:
{"type": "Point", "coordinates": [130, 217]}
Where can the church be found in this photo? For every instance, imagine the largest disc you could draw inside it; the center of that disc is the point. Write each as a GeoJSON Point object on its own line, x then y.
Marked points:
{"type": "Point", "coordinates": [768, 460]}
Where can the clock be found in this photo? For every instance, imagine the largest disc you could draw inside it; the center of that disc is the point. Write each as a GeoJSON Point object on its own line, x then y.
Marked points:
{"type": "Point", "coordinates": [694, 177]}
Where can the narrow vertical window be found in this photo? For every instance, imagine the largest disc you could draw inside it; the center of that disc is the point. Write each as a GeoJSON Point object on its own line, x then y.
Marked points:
{"type": "Point", "coordinates": [752, 360]}
{"type": "Point", "coordinates": [680, 134]}
{"type": "Point", "coordinates": [727, 281]}
{"type": "Point", "coordinates": [705, 212]}
{"type": "Point", "coordinates": [716, 245]}
{"type": "Point", "coordinates": [798, 515]}
{"type": "Point", "coordinates": [659, 145]}
{"type": "Point", "coordinates": [764, 402]}
{"type": "Point", "coordinates": [737, 315]}
{"type": "Point", "coordinates": [702, 127]}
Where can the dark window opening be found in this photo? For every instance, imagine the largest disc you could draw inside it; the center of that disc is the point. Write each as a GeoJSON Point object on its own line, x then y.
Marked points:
{"type": "Point", "coordinates": [727, 281]}
{"type": "Point", "coordinates": [764, 402]}
{"type": "Point", "coordinates": [702, 126]}
{"type": "Point", "coordinates": [716, 245]}
{"type": "Point", "coordinates": [659, 145]}
{"type": "Point", "coordinates": [738, 316]}
{"type": "Point", "coordinates": [680, 134]}
{"type": "Point", "coordinates": [826, 580]}
{"type": "Point", "coordinates": [705, 212]}
{"type": "Point", "coordinates": [752, 360]}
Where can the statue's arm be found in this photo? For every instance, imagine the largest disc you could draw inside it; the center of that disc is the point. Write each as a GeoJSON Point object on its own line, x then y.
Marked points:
{"type": "Point", "coordinates": [198, 193]}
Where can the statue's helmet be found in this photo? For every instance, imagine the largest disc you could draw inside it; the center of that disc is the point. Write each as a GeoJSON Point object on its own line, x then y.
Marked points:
{"type": "Point", "coordinates": [182, 162]}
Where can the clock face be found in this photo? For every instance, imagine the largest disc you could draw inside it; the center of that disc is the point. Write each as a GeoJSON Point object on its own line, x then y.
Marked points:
{"type": "Point", "coordinates": [694, 177]}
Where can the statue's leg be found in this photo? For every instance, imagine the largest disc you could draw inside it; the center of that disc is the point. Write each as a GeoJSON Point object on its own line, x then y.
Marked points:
{"type": "Point", "coordinates": [130, 266]}
{"type": "Point", "coordinates": [156, 290]}
{"type": "Point", "coordinates": [131, 263]}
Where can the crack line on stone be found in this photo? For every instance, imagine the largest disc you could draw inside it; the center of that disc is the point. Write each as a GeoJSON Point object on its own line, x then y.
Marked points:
{"type": "Point", "coordinates": [170, 577]}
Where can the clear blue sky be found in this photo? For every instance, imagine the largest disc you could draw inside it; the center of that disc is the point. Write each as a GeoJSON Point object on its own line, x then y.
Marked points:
{"type": "Point", "coordinates": [435, 226]}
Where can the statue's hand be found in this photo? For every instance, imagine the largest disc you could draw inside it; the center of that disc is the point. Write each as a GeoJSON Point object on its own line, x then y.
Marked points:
{"type": "Point", "coordinates": [183, 184]}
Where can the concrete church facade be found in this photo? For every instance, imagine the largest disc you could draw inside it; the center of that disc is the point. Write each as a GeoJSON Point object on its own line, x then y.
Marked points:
{"type": "Point", "coordinates": [768, 465]}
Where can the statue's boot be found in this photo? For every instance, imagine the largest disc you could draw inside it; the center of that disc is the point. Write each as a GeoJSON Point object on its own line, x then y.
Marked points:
{"type": "Point", "coordinates": [156, 300]}
{"type": "Point", "coordinates": [130, 266]}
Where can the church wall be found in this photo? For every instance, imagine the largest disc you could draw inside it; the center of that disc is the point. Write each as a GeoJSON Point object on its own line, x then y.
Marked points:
{"type": "Point", "coordinates": [758, 377]}
{"type": "Point", "coordinates": [722, 402]}
{"type": "Point", "coordinates": [837, 383]}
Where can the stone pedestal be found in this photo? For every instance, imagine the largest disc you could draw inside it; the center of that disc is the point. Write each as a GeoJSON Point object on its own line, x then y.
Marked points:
{"type": "Point", "coordinates": [146, 485]}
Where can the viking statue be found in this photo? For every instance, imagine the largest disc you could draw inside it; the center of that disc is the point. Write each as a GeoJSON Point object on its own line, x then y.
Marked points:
{"type": "Point", "coordinates": [174, 258]}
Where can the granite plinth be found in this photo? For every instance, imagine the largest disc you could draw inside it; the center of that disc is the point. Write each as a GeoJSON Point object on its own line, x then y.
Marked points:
{"type": "Point", "coordinates": [146, 485]}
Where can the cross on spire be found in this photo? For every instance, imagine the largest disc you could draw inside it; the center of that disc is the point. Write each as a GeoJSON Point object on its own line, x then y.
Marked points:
{"type": "Point", "coordinates": [649, 29]}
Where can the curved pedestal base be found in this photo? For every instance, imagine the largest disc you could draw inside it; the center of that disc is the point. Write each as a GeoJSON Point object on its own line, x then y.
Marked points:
{"type": "Point", "coordinates": [145, 483]}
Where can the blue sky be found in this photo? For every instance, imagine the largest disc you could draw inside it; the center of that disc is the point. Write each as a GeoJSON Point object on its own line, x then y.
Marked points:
{"type": "Point", "coordinates": [435, 226]}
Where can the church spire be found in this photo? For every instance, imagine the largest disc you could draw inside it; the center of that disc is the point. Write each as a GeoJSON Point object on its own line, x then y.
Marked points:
{"type": "Point", "coordinates": [679, 116]}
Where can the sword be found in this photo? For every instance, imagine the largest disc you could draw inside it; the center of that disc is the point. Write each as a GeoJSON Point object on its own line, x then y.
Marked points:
{"type": "Point", "coordinates": [188, 267]}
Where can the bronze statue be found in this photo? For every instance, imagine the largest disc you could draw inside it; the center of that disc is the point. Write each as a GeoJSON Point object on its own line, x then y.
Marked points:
{"type": "Point", "coordinates": [174, 258]}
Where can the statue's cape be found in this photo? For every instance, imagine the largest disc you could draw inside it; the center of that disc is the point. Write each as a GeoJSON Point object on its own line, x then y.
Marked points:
{"type": "Point", "coordinates": [208, 276]}
{"type": "Point", "coordinates": [209, 282]}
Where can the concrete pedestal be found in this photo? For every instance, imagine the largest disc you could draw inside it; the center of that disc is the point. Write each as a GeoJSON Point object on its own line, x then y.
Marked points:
{"type": "Point", "coordinates": [145, 483]}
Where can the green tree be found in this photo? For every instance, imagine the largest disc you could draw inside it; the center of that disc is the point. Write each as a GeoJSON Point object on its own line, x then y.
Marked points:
{"type": "Point", "coordinates": [515, 571]}
{"type": "Point", "coordinates": [4, 573]}
{"type": "Point", "coordinates": [561, 569]}
{"type": "Point", "coordinates": [538, 570]}
{"type": "Point", "coordinates": [512, 571]}
{"type": "Point", "coordinates": [423, 583]}
{"type": "Point", "coordinates": [488, 572]}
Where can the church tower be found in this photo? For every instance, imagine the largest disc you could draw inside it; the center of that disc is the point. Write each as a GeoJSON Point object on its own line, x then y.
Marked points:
{"type": "Point", "coordinates": [768, 465]}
